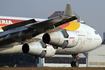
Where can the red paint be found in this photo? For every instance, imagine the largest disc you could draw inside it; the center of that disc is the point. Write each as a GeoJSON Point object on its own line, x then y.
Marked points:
{"type": "Point", "coordinates": [71, 37]}
{"type": "Point", "coordinates": [77, 56]}
{"type": "Point", "coordinates": [6, 22]}
{"type": "Point", "coordinates": [49, 45]}
{"type": "Point", "coordinates": [64, 25]}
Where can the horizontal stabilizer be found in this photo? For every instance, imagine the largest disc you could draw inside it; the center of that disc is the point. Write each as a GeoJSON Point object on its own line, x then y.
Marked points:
{"type": "Point", "coordinates": [68, 11]}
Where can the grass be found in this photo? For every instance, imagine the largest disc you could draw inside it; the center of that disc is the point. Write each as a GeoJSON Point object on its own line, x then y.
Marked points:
{"type": "Point", "coordinates": [54, 68]}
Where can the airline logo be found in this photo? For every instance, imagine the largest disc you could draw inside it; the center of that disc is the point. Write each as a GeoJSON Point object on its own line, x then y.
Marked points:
{"type": "Point", "coordinates": [5, 22]}
{"type": "Point", "coordinates": [71, 26]}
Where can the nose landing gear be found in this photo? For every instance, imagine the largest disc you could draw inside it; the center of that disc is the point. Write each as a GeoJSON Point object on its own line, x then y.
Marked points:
{"type": "Point", "coordinates": [75, 62]}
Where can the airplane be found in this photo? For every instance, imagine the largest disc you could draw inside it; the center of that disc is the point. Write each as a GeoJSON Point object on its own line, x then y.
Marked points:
{"type": "Point", "coordinates": [47, 37]}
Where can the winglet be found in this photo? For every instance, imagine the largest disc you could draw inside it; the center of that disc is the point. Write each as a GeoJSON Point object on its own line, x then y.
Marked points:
{"type": "Point", "coordinates": [68, 11]}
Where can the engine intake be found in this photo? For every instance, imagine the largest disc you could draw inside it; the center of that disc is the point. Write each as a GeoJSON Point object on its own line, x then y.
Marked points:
{"type": "Point", "coordinates": [46, 38]}
{"type": "Point", "coordinates": [25, 48]}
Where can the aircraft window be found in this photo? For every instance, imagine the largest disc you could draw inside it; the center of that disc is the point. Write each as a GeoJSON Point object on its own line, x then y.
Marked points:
{"type": "Point", "coordinates": [77, 31]}
{"type": "Point", "coordinates": [95, 32]}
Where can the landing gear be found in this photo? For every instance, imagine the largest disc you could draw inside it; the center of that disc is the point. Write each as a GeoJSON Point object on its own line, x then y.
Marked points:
{"type": "Point", "coordinates": [75, 62]}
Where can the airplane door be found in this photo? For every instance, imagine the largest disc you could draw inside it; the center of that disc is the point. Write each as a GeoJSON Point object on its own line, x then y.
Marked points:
{"type": "Point", "coordinates": [89, 36]}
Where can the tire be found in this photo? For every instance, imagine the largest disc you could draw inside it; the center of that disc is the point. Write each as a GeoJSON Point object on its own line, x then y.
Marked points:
{"type": "Point", "coordinates": [74, 64]}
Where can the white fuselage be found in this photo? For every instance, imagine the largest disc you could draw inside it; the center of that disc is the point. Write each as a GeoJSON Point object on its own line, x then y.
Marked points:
{"type": "Point", "coordinates": [88, 40]}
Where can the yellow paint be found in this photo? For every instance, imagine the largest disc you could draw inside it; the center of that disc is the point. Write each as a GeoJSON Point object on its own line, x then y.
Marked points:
{"type": "Point", "coordinates": [1, 27]}
{"type": "Point", "coordinates": [72, 26]}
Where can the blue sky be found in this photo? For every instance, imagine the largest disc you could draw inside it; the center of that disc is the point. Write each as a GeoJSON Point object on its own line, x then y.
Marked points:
{"type": "Point", "coordinates": [91, 11]}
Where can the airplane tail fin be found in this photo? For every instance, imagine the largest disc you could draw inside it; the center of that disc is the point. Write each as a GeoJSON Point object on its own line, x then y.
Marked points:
{"type": "Point", "coordinates": [68, 11]}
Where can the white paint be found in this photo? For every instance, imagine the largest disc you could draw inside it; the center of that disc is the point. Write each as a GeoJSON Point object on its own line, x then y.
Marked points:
{"type": "Point", "coordinates": [8, 22]}
{"type": "Point", "coordinates": [60, 65]}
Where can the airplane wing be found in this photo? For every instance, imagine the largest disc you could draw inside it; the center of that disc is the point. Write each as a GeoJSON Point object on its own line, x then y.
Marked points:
{"type": "Point", "coordinates": [28, 29]}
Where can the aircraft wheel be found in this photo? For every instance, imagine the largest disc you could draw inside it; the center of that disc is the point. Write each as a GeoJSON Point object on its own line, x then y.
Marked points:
{"type": "Point", "coordinates": [74, 64]}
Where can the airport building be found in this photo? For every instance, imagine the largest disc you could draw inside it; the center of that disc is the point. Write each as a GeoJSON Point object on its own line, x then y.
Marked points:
{"type": "Point", "coordinates": [63, 61]}
{"type": "Point", "coordinates": [20, 60]}
{"type": "Point", "coordinates": [96, 58]}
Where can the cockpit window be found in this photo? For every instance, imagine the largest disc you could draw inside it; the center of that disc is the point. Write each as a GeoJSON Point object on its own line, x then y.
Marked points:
{"type": "Point", "coordinates": [95, 32]}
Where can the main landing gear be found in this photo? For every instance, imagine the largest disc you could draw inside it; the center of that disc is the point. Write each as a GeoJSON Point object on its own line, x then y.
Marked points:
{"type": "Point", "coordinates": [75, 62]}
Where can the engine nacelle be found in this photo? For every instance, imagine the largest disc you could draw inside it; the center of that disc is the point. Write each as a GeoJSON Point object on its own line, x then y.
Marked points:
{"type": "Point", "coordinates": [50, 51]}
{"type": "Point", "coordinates": [38, 49]}
{"type": "Point", "coordinates": [64, 39]}
{"type": "Point", "coordinates": [72, 39]}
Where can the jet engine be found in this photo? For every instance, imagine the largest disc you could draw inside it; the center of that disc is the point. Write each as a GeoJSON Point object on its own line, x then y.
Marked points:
{"type": "Point", "coordinates": [64, 39]}
{"type": "Point", "coordinates": [38, 49]}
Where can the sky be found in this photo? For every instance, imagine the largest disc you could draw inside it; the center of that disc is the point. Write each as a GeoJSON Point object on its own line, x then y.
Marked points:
{"type": "Point", "coordinates": [90, 11]}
